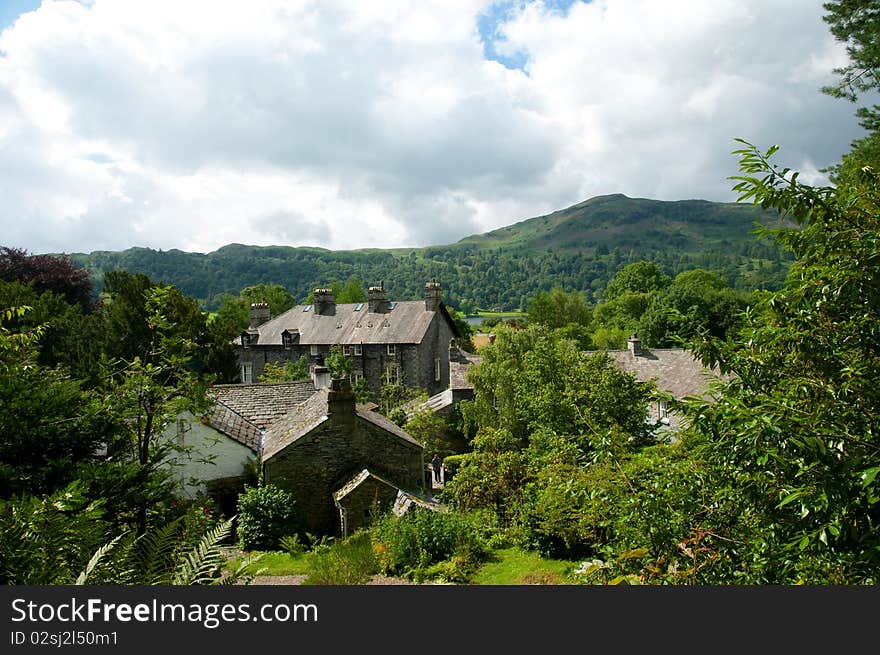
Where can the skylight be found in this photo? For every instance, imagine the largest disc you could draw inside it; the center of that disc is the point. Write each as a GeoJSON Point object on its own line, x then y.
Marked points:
{"type": "Point", "coordinates": [359, 307]}
{"type": "Point", "coordinates": [307, 308]}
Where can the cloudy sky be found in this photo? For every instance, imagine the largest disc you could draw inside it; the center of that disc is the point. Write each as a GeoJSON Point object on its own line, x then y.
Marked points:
{"type": "Point", "coordinates": [195, 123]}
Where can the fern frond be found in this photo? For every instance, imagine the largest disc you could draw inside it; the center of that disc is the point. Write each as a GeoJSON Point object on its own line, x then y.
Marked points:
{"type": "Point", "coordinates": [83, 577]}
{"type": "Point", "coordinates": [201, 564]}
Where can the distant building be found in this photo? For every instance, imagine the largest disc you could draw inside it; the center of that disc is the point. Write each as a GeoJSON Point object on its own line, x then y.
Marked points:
{"type": "Point", "coordinates": [406, 340]}
{"type": "Point", "coordinates": [673, 370]}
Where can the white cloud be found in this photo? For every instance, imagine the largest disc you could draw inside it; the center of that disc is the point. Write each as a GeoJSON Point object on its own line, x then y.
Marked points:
{"type": "Point", "coordinates": [346, 125]}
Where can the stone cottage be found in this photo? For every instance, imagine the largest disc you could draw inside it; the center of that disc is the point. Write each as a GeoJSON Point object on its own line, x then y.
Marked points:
{"type": "Point", "coordinates": [217, 449]}
{"type": "Point", "coordinates": [406, 340]}
{"type": "Point", "coordinates": [320, 451]}
{"type": "Point", "coordinates": [675, 371]}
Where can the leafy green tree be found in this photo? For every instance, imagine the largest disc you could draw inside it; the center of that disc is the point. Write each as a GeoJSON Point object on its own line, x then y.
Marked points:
{"type": "Point", "coordinates": [339, 364]}
{"type": "Point", "coordinates": [353, 291]}
{"type": "Point", "coordinates": [696, 301]}
{"type": "Point", "coordinates": [639, 277]}
{"type": "Point", "coordinates": [558, 308]}
{"type": "Point", "coordinates": [286, 371]}
{"type": "Point", "coordinates": [793, 437]}
{"type": "Point", "coordinates": [147, 394]}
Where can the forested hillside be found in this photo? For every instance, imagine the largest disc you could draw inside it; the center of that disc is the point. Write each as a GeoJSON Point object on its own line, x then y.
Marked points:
{"type": "Point", "coordinates": [579, 248]}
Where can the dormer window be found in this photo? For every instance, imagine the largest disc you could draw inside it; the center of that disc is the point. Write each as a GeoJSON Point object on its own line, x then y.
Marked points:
{"type": "Point", "coordinates": [248, 338]}
{"type": "Point", "coordinates": [288, 338]}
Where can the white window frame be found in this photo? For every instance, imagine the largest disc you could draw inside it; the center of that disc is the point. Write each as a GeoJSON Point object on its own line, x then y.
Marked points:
{"type": "Point", "coordinates": [313, 350]}
{"type": "Point", "coordinates": [247, 373]}
{"type": "Point", "coordinates": [357, 351]}
{"type": "Point", "coordinates": [436, 369]}
{"type": "Point", "coordinates": [346, 350]}
{"type": "Point", "coordinates": [391, 350]}
{"type": "Point", "coordinates": [287, 340]}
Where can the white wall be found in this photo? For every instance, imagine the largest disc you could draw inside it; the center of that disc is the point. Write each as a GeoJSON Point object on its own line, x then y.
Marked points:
{"type": "Point", "coordinates": [210, 455]}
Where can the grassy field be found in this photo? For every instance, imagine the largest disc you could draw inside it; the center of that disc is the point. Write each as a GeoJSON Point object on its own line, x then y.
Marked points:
{"type": "Point", "coordinates": [507, 566]}
{"type": "Point", "coordinates": [512, 566]}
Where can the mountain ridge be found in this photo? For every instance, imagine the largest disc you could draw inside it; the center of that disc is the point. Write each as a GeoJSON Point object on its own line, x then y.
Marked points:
{"type": "Point", "coordinates": [578, 247]}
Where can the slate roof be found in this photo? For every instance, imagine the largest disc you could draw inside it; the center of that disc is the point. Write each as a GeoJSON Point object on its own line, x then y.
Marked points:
{"type": "Point", "coordinates": [226, 420]}
{"type": "Point", "coordinates": [459, 363]}
{"type": "Point", "coordinates": [402, 502]}
{"type": "Point", "coordinates": [313, 412]}
{"type": "Point", "coordinates": [263, 404]}
{"type": "Point", "coordinates": [674, 370]}
{"type": "Point", "coordinates": [407, 322]}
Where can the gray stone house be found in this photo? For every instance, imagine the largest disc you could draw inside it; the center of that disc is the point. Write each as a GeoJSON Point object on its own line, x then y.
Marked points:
{"type": "Point", "coordinates": [674, 371]}
{"type": "Point", "coordinates": [406, 340]}
{"type": "Point", "coordinates": [320, 450]}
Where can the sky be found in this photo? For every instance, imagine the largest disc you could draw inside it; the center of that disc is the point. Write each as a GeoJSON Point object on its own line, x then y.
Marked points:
{"type": "Point", "coordinates": [194, 124]}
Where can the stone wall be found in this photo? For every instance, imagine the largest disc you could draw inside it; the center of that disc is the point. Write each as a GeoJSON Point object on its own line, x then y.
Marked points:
{"type": "Point", "coordinates": [320, 463]}
{"type": "Point", "coordinates": [362, 503]}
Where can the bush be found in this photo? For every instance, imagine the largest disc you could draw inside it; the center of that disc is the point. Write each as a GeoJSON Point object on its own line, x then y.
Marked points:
{"type": "Point", "coordinates": [265, 515]}
{"type": "Point", "coordinates": [410, 545]}
{"type": "Point", "coordinates": [348, 562]}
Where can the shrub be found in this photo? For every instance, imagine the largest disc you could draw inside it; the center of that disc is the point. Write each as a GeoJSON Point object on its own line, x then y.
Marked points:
{"type": "Point", "coordinates": [348, 562]}
{"type": "Point", "coordinates": [265, 515]}
{"type": "Point", "coordinates": [411, 544]}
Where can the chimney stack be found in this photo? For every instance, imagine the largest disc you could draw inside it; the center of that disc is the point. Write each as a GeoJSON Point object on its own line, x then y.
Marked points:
{"type": "Point", "coordinates": [340, 401]}
{"type": "Point", "coordinates": [635, 345]}
{"type": "Point", "coordinates": [433, 295]}
{"type": "Point", "coordinates": [321, 376]}
{"type": "Point", "coordinates": [325, 303]}
{"type": "Point", "coordinates": [260, 313]}
{"type": "Point", "coordinates": [378, 298]}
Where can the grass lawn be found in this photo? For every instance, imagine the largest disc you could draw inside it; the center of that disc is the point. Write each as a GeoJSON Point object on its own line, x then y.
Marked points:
{"type": "Point", "coordinates": [513, 566]}
{"type": "Point", "coordinates": [279, 563]}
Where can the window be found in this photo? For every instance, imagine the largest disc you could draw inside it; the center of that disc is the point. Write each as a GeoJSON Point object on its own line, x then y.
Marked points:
{"type": "Point", "coordinates": [313, 350]}
{"type": "Point", "coordinates": [247, 373]}
{"type": "Point", "coordinates": [287, 340]}
{"type": "Point", "coordinates": [346, 350]}
{"type": "Point", "coordinates": [357, 349]}
{"type": "Point", "coordinates": [392, 374]}
{"type": "Point", "coordinates": [392, 350]}
{"type": "Point", "coordinates": [663, 409]}
{"type": "Point", "coordinates": [356, 377]}
{"type": "Point", "coordinates": [437, 369]}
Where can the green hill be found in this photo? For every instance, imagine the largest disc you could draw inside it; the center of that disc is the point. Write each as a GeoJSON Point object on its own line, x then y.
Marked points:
{"type": "Point", "coordinates": [580, 247]}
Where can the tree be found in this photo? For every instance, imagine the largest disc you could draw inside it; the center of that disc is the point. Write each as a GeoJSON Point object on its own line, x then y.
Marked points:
{"type": "Point", "coordinates": [148, 392]}
{"type": "Point", "coordinates": [57, 274]}
{"type": "Point", "coordinates": [793, 437]}
{"type": "Point", "coordinates": [697, 300]}
{"type": "Point", "coordinates": [558, 308]}
{"type": "Point", "coordinates": [286, 371]}
{"type": "Point", "coordinates": [639, 277]}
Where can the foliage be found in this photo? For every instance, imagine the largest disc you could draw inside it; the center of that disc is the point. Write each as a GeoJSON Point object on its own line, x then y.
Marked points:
{"type": "Point", "coordinates": [339, 364]}
{"type": "Point", "coordinates": [428, 429]}
{"type": "Point", "coordinates": [50, 429]}
{"type": "Point", "coordinates": [265, 515]}
{"type": "Point", "coordinates": [410, 544]}
{"type": "Point", "coordinates": [558, 308]}
{"type": "Point", "coordinates": [56, 274]}
{"type": "Point", "coordinates": [515, 566]}
{"type": "Point", "coordinates": [638, 277]}
{"type": "Point", "coordinates": [50, 539]}
{"type": "Point", "coordinates": [348, 562]}
{"type": "Point", "coordinates": [794, 433]}
{"type": "Point", "coordinates": [286, 371]}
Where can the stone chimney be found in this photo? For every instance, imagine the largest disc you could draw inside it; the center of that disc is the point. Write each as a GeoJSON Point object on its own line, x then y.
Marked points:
{"type": "Point", "coordinates": [260, 313]}
{"type": "Point", "coordinates": [325, 303]}
{"type": "Point", "coordinates": [378, 298]}
{"type": "Point", "coordinates": [321, 377]}
{"type": "Point", "coordinates": [433, 295]}
{"type": "Point", "coordinates": [340, 401]}
{"type": "Point", "coordinates": [635, 345]}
